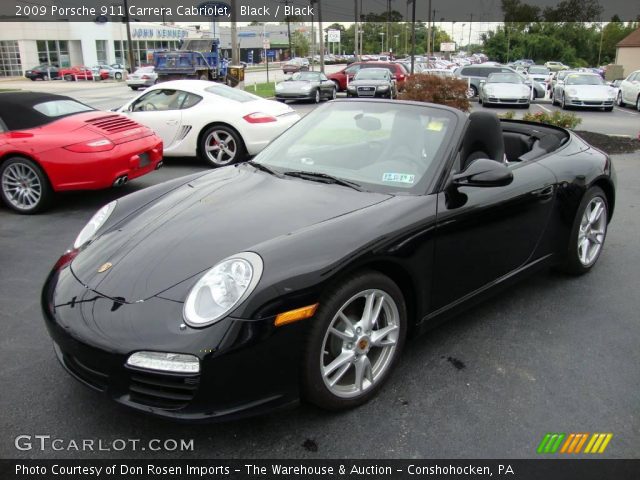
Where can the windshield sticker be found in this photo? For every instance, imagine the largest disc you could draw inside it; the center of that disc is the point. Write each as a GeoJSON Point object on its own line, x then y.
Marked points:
{"type": "Point", "coordinates": [435, 126]}
{"type": "Point", "coordinates": [398, 177]}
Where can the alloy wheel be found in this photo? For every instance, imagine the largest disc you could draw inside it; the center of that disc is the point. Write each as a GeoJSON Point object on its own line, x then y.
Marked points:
{"type": "Point", "coordinates": [333, 94]}
{"type": "Point", "coordinates": [360, 343]}
{"type": "Point", "coordinates": [21, 186]}
{"type": "Point", "coordinates": [619, 99]}
{"type": "Point", "coordinates": [317, 97]}
{"type": "Point", "coordinates": [638, 104]}
{"type": "Point", "coordinates": [592, 231]}
{"type": "Point", "coordinates": [220, 147]}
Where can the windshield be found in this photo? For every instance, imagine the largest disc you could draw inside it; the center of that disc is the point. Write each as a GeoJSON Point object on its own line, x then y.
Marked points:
{"type": "Point", "coordinates": [372, 74]}
{"type": "Point", "coordinates": [504, 78]}
{"type": "Point", "coordinates": [306, 76]}
{"type": "Point", "coordinates": [584, 80]}
{"type": "Point", "coordinates": [538, 71]}
{"type": "Point", "coordinates": [381, 146]}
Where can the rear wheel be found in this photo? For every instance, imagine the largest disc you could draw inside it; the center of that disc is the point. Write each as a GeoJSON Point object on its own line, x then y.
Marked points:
{"type": "Point", "coordinates": [638, 103]}
{"type": "Point", "coordinates": [355, 340]}
{"type": "Point", "coordinates": [588, 233]}
{"type": "Point", "coordinates": [220, 146]}
{"type": "Point", "coordinates": [472, 92]}
{"type": "Point", "coordinates": [118, 76]}
{"type": "Point", "coordinates": [25, 186]}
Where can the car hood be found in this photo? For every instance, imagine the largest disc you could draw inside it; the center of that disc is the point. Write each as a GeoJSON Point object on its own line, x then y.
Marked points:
{"type": "Point", "coordinates": [297, 85]}
{"type": "Point", "coordinates": [590, 91]}
{"type": "Point", "coordinates": [361, 83]}
{"type": "Point", "coordinates": [503, 89]}
{"type": "Point", "coordinates": [190, 229]}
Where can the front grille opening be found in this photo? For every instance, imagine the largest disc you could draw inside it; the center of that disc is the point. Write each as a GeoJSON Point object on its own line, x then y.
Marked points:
{"type": "Point", "coordinates": [92, 377]}
{"type": "Point", "coordinates": [162, 390]}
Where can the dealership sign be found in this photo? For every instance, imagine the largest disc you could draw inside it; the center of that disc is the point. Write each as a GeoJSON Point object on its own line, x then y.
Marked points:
{"type": "Point", "coordinates": [448, 47]}
{"type": "Point", "coordinates": [169, 33]}
{"type": "Point", "coordinates": [333, 36]}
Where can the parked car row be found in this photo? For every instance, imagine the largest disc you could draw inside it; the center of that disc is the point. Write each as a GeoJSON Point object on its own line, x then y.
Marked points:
{"type": "Point", "coordinates": [52, 143]}
{"type": "Point", "coordinates": [79, 72]}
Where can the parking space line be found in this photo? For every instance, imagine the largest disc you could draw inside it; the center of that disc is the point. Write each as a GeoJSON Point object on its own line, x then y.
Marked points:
{"type": "Point", "coordinates": [544, 108]}
{"type": "Point", "coordinates": [625, 111]}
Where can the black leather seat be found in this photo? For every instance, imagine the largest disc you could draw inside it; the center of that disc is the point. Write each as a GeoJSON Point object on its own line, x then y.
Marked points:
{"type": "Point", "coordinates": [483, 139]}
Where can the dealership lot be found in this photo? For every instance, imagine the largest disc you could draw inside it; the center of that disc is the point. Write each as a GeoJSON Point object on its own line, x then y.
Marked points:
{"type": "Point", "coordinates": [552, 354]}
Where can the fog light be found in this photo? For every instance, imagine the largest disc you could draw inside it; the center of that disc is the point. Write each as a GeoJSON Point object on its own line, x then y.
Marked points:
{"type": "Point", "coordinates": [166, 362]}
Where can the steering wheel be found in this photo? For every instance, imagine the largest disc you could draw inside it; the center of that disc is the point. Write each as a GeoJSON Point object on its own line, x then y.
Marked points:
{"type": "Point", "coordinates": [150, 107]}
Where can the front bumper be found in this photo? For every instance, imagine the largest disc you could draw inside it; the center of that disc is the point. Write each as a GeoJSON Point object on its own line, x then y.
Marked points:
{"type": "Point", "coordinates": [506, 101]}
{"type": "Point", "coordinates": [246, 367]}
{"type": "Point", "coordinates": [310, 95]}
{"type": "Point", "coordinates": [589, 102]}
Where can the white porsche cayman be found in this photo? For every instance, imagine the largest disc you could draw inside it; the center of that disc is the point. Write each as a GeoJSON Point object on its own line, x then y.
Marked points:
{"type": "Point", "coordinates": [217, 123]}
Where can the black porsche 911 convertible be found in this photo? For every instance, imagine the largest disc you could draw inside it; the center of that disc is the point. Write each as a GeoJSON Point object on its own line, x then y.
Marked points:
{"type": "Point", "coordinates": [300, 273]}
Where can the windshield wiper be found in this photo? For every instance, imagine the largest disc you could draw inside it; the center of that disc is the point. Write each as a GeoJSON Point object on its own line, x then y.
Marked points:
{"type": "Point", "coordinates": [324, 178]}
{"type": "Point", "coordinates": [264, 168]}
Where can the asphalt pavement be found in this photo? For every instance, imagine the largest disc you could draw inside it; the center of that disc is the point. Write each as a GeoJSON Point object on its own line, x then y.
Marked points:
{"type": "Point", "coordinates": [553, 354]}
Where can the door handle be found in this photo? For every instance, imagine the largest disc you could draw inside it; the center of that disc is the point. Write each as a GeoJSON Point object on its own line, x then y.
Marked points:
{"type": "Point", "coordinates": [544, 192]}
{"type": "Point", "coordinates": [172, 122]}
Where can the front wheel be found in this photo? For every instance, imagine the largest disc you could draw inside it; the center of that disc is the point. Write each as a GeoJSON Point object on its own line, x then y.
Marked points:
{"type": "Point", "coordinates": [317, 97]}
{"type": "Point", "coordinates": [619, 100]}
{"type": "Point", "coordinates": [638, 103]}
{"type": "Point", "coordinates": [220, 145]}
{"type": "Point", "coordinates": [25, 186]}
{"type": "Point", "coordinates": [334, 93]}
{"type": "Point", "coordinates": [588, 233]}
{"type": "Point", "coordinates": [354, 342]}
{"type": "Point", "coordinates": [563, 103]}
{"type": "Point", "coordinates": [118, 76]}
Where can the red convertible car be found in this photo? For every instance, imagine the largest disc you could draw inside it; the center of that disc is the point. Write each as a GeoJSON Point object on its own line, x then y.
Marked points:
{"type": "Point", "coordinates": [52, 143]}
{"type": "Point", "coordinates": [76, 73]}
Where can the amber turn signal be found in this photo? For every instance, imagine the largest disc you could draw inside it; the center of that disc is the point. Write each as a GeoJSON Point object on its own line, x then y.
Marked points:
{"type": "Point", "coordinates": [295, 315]}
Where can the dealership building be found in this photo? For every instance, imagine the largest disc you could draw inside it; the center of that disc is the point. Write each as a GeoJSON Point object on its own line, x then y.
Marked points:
{"type": "Point", "coordinates": [24, 45]}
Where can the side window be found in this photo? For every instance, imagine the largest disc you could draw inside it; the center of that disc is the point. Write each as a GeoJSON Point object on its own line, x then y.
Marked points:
{"type": "Point", "coordinates": [466, 72]}
{"type": "Point", "coordinates": [323, 77]}
{"type": "Point", "coordinates": [352, 69]}
{"type": "Point", "coordinates": [160, 100]}
{"type": "Point", "coordinates": [190, 100]}
{"type": "Point", "coordinates": [632, 77]}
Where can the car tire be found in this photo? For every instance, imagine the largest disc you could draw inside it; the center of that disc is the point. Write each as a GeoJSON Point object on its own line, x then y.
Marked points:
{"type": "Point", "coordinates": [334, 93]}
{"type": "Point", "coordinates": [619, 100]}
{"type": "Point", "coordinates": [32, 199]}
{"type": "Point", "coordinates": [232, 151]}
{"type": "Point", "coordinates": [337, 84]}
{"type": "Point", "coordinates": [68, 78]}
{"type": "Point", "coordinates": [472, 92]}
{"type": "Point", "coordinates": [608, 109]}
{"type": "Point", "coordinates": [364, 366]}
{"type": "Point", "coordinates": [134, 88]}
{"type": "Point", "coordinates": [638, 103]}
{"type": "Point", "coordinates": [563, 103]}
{"type": "Point", "coordinates": [581, 257]}
{"type": "Point", "coordinates": [33, 79]}
{"type": "Point", "coordinates": [317, 97]}
{"type": "Point", "coordinates": [117, 76]}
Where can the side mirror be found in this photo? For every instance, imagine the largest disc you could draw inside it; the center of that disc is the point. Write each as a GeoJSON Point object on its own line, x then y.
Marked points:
{"type": "Point", "coordinates": [482, 82]}
{"type": "Point", "coordinates": [484, 173]}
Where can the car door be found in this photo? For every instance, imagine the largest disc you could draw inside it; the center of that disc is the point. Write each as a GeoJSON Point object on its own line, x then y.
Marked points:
{"type": "Point", "coordinates": [159, 110]}
{"type": "Point", "coordinates": [326, 85]}
{"type": "Point", "coordinates": [485, 233]}
{"type": "Point", "coordinates": [631, 88]}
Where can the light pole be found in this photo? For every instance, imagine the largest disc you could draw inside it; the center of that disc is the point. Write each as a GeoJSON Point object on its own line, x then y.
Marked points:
{"type": "Point", "coordinates": [396, 37]}
{"type": "Point", "coordinates": [462, 35]}
{"type": "Point", "coordinates": [381, 42]}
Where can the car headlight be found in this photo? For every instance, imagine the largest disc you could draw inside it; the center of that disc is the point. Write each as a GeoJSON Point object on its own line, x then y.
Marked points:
{"type": "Point", "coordinates": [306, 87]}
{"type": "Point", "coordinates": [279, 86]}
{"type": "Point", "coordinates": [489, 91]}
{"type": "Point", "coordinates": [571, 92]}
{"type": "Point", "coordinates": [350, 87]}
{"type": "Point", "coordinates": [383, 87]}
{"type": "Point", "coordinates": [221, 288]}
{"type": "Point", "coordinates": [94, 224]}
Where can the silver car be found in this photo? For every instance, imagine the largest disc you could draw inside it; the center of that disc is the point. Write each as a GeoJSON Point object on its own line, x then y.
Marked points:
{"type": "Point", "coordinates": [313, 86]}
{"type": "Point", "coordinates": [504, 89]}
{"type": "Point", "coordinates": [584, 90]}
{"type": "Point", "coordinates": [142, 77]}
